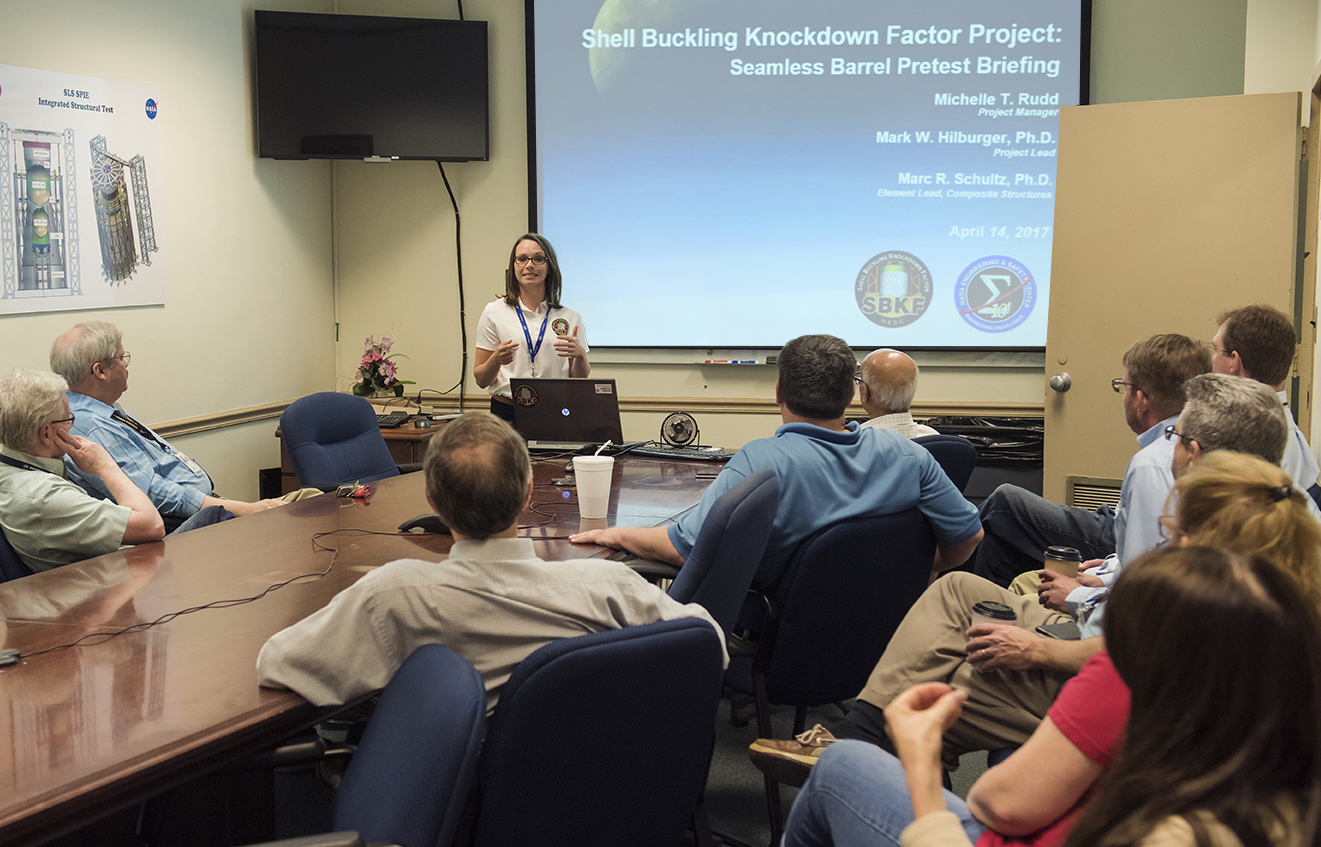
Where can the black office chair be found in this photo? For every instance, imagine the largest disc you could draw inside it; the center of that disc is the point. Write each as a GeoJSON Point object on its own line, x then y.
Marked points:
{"type": "Point", "coordinates": [729, 548]}
{"type": "Point", "coordinates": [11, 566]}
{"type": "Point", "coordinates": [841, 598]}
{"type": "Point", "coordinates": [335, 438]}
{"type": "Point", "coordinates": [603, 739]}
{"type": "Point", "coordinates": [956, 455]}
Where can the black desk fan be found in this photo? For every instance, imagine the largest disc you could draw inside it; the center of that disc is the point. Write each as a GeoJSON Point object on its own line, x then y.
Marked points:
{"type": "Point", "coordinates": [679, 430]}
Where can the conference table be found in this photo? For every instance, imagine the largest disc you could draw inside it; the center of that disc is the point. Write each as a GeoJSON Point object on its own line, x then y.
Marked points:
{"type": "Point", "coordinates": [100, 727]}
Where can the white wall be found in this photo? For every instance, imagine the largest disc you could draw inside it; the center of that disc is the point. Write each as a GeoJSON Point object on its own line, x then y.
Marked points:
{"type": "Point", "coordinates": [1280, 46]}
{"type": "Point", "coordinates": [246, 242]}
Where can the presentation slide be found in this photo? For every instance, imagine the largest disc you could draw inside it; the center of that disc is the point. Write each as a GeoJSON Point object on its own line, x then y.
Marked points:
{"type": "Point", "coordinates": [738, 173]}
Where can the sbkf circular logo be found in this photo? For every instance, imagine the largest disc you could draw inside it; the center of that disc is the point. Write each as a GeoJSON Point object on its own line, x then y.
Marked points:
{"type": "Point", "coordinates": [893, 289]}
{"type": "Point", "coordinates": [995, 293]}
{"type": "Point", "coordinates": [151, 109]}
{"type": "Point", "coordinates": [526, 395]}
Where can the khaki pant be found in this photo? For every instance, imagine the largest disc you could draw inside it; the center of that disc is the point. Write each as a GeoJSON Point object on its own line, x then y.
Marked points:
{"type": "Point", "coordinates": [1003, 707]}
{"type": "Point", "coordinates": [300, 494]}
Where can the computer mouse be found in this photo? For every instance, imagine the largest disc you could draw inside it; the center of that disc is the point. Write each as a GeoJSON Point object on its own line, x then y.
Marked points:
{"type": "Point", "coordinates": [430, 522]}
{"type": "Point", "coordinates": [422, 423]}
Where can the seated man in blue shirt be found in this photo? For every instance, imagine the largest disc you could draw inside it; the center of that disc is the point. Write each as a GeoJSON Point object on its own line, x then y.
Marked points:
{"type": "Point", "coordinates": [1020, 525]}
{"type": "Point", "coordinates": [828, 471]}
{"type": "Point", "coordinates": [92, 360]}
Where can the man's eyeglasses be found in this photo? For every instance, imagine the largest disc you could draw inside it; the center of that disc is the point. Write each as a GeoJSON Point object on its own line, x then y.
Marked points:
{"type": "Point", "coordinates": [1170, 431]}
{"type": "Point", "coordinates": [127, 357]}
{"type": "Point", "coordinates": [1118, 384]}
{"type": "Point", "coordinates": [69, 420]}
{"type": "Point", "coordinates": [536, 260]}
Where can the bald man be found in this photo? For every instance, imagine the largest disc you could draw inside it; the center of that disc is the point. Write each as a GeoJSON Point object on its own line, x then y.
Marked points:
{"type": "Point", "coordinates": [889, 380]}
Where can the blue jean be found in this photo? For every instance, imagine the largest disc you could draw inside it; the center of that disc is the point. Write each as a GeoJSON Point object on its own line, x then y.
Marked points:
{"type": "Point", "coordinates": [204, 517]}
{"type": "Point", "coordinates": [1019, 526]}
{"type": "Point", "coordinates": [857, 797]}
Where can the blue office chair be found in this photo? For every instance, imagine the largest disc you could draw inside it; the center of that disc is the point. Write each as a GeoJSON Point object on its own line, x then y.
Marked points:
{"type": "Point", "coordinates": [11, 566]}
{"type": "Point", "coordinates": [335, 438]}
{"type": "Point", "coordinates": [604, 739]}
{"type": "Point", "coordinates": [729, 548]}
{"type": "Point", "coordinates": [956, 455]}
{"type": "Point", "coordinates": [409, 781]}
{"type": "Point", "coordinates": [841, 598]}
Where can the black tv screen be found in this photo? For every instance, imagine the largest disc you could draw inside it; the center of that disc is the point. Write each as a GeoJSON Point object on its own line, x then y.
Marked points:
{"type": "Point", "coordinates": [358, 87]}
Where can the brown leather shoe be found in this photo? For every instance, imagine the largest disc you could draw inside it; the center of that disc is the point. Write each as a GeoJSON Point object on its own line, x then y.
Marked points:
{"type": "Point", "coordinates": [790, 761]}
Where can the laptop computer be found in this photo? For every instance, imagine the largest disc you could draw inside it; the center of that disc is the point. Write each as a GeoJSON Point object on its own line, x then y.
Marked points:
{"type": "Point", "coordinates": [566, 414]}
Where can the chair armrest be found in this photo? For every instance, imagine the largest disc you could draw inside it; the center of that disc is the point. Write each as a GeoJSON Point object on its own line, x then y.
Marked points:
{"type": "Point", "coordinates": [296, 753]}
{"type": "Point", "coordinates": [409, 467]}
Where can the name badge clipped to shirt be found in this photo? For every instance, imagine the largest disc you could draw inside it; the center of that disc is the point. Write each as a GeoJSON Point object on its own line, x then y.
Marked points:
{"type": "Point", "coordinates": [189, 463]}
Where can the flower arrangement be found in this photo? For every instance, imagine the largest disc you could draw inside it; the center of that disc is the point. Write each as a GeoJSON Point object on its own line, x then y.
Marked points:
{"type": "Point", "coordinates": [377, 372]}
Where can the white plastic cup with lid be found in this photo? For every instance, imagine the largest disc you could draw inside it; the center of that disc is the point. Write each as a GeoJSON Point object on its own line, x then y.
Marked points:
{"type": "Point", "coordinates": [593, 475]}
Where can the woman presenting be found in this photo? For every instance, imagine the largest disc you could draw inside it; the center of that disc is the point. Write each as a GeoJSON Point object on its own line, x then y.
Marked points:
{"type": "Point", "coordinates": [512, 328]}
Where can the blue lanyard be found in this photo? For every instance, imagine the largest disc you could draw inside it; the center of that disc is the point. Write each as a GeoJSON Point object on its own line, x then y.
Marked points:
{"type": "Point", "coordinates": [22, 465]}
{"type": "Point", "coordinates": [531, 350]}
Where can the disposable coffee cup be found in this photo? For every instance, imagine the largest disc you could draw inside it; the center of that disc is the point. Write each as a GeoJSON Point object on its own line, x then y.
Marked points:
{"type": "Point", "coordinates": [593, 475]}
{"type": "Point", "coordinates": [988, 611]}
{"type": "Point", "coordinates": [1063, 560]}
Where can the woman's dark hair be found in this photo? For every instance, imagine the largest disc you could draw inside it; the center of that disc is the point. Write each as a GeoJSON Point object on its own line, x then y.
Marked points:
{"type": "Point", "coordinates": [553, 278]}
{"type": "Point", "coordinates": [1222, 654]}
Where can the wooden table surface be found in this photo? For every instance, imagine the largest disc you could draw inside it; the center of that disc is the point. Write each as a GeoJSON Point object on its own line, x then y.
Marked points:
{"type": "Point", "coordinates": [102, 726]}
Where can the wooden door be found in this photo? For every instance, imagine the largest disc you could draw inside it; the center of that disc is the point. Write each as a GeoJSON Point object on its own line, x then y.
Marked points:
{"type": "Point", "coordinates": [1167, 212]}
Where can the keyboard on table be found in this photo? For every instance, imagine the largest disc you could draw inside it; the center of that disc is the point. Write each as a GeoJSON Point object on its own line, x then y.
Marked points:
{"type": "Point", "coordinates": [664, 451]}
{"type": "Point", "coordinates": [392, 420]}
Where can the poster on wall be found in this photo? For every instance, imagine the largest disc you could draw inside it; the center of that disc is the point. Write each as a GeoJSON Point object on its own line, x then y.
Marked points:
{"type": "Point", "coordinates": [80, 193]}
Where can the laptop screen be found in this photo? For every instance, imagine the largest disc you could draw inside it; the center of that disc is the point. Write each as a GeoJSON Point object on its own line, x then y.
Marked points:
{"type": "Point", "coordinates": [567, 410]}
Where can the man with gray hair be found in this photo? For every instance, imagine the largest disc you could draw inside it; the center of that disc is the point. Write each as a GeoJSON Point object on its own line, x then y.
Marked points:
{"type": "Point", "coordinates": [1223, 412]}
{"type": "Point", "coordinates": [49, 520]}
{"type": "Point", "coordinates": [886, 388]}
{"type": "Point", "coordinates": [492, 601]}
{"type": "Point", "coordinates": [91, 358]}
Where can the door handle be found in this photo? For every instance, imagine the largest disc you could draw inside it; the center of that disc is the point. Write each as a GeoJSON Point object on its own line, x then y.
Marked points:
{"type": "Point", "coordinates": [1061, 382]}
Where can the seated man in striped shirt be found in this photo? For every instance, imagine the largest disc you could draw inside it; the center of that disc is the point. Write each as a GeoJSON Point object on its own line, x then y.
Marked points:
{"type": "Point", "coordinates": [91, 358]}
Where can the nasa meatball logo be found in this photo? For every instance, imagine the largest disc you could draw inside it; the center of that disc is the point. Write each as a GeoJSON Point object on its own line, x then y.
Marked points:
{"type": "Point", "coordinates": [560, 326]}
{"type": "Point", "coordinates": [526, 395]}
{"type": "Point", "coordinates": [995, 293]}
{"type": "Point", "coordinates": [151, 109]}
{"type": "Point", "coordinates": [893, 289]}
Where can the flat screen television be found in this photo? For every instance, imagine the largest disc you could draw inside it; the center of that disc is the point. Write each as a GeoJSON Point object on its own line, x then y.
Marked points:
{"type": "Point", "coordinates": [362, 87]}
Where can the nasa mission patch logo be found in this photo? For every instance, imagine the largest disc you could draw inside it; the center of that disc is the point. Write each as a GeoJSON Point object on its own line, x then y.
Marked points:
{"type": "Point", "coordinates": [893, 289]}
{"type": "Point", "coordinates": [559, 326]}
{"type": "Point", "coordinates": [995, 293]}
{"type": "Point", "coordinates": [526, 395]}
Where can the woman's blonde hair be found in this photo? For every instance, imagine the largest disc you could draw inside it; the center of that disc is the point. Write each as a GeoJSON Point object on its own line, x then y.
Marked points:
{"type": "Point", "coordinates": [1238, 502]}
